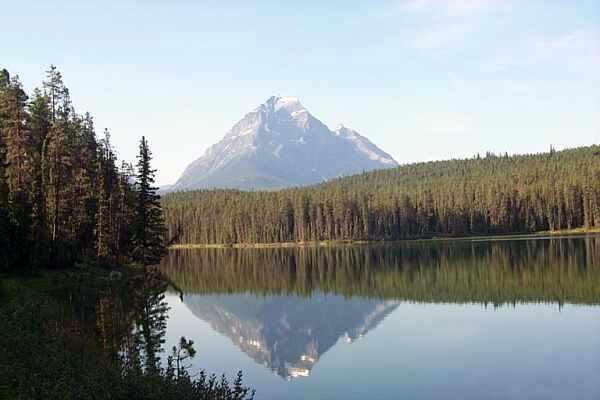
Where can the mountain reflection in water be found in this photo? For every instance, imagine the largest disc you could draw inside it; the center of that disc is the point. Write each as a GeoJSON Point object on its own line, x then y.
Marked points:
{"type": "Point", "coordinates": [288, 333]}
{"type": "Point", "coordinates": [285, 308]}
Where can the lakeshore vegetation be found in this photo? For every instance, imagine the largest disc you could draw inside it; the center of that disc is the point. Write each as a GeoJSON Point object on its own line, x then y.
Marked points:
{"type": "Point", "coordinates": [73, 327]}
{"type": "Point", "coordinates": [484, 195]}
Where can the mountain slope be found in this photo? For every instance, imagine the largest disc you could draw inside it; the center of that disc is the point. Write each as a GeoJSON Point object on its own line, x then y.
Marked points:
{"type": "Point", "coordinates": [281, 144]}
{"type": "Point", "coordinates": [478, 196]}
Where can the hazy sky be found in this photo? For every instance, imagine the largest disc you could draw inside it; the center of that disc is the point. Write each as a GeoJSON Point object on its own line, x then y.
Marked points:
{"type": "Point", "coordinates": [423, 79]}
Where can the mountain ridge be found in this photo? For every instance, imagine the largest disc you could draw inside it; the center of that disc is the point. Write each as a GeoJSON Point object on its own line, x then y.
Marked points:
{"type": "Point", "coordinates": [281, 144]}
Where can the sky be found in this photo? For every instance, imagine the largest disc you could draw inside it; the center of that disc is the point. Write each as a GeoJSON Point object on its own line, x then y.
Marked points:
{"type": "Point", "coordinates": [423, 79]}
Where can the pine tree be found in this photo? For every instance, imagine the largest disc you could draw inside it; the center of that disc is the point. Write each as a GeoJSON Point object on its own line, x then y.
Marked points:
{"type": "Point", "coordinates": [17, 157]}
{"type": "Point", "coordinates": [39, 127]}
{"type": "Point", "coordinates": [105, 177]}
{"type": "Point", "coordinates": [125, 210]}
{"type": "Point", "coordinates": [149, 229]}
{"type": "Point", "coordinates": [56, 158]}
{"type": "Point", "coordinates": [13, 102]}
{"type": "Point", "coordinates": [4, 81]}
{"type": "Point", "coordinates": [5, 224]}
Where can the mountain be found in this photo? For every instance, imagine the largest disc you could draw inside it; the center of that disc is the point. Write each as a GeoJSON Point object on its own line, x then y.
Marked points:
{"type": "Point", "coordinates": [280, 144]}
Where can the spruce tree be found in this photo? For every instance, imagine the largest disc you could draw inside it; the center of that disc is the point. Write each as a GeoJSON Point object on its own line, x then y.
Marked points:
{"type": "Point", "coordinates": [149, 228]}
{"type": "Point", "coordinates": [56, 160]}
{"type": "Point", "coordinates": [17, 157]}
{"type": "Point", "coordinates": [5, 223]}
{"type": "Point", "coordinates": [39, 127]}
{"type": "Point", "coordinates": [4, 81]}
{"type": "Point", "coordinates": [105, 177]}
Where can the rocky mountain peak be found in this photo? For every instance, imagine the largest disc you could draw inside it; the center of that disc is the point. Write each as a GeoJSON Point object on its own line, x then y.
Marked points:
{"type": "Point", "coordinates": [280, 144]}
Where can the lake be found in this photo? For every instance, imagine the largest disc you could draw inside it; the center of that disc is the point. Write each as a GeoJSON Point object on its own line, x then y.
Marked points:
{"type": "Point", "coordinates": [482, 319]}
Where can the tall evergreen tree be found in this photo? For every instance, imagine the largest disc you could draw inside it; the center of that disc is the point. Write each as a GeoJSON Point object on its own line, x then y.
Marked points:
{"type": "Point", "coordinates": [13, 103]}
{"type": "Point", "coordinates": [17, 156]}
{"type": "Point", "coordinates": [149, 230]}
{"type": "Point", "coordinates": [5, 224]}
{"type": "Point", "coordinates": [62, 197]}
{"type": "Point", "coordinates": [106, 176]}
{"type": "Point", "coordinates": [57, 157]}
{"type": "Point", "coordinates": [125, 210]}
{"type": "Point", "coordinates": [39, 121]}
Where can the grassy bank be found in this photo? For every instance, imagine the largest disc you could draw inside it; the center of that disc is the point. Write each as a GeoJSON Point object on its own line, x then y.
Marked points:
{"type": "Point", "coordinates": [327, 243]}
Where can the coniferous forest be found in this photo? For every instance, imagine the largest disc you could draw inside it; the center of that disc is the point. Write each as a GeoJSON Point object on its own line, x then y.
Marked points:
{"type": "Point", "coordinates": [81, 303]}
{"type": "Point", "coordinates": [64, 197]}
{"type": "Point", "coordinates": [494, 194]}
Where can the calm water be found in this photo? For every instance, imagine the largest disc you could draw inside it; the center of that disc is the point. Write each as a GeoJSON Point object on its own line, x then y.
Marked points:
{"type": "Point", "coordinates": [510, 319]}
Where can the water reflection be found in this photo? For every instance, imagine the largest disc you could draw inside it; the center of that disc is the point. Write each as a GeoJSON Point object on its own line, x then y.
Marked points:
{"type": "Point", "coordinates": [286, 308]}
{"type": "Point", "coordinates": [111, 320]}
{"type": "Point", "coordinates": [558, 270]}
{"type": "Point", "coordinates": [288, 334]}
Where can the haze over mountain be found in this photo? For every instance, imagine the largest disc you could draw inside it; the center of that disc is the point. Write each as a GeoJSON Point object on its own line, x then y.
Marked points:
{"type": "Point", "coordinates": [280, 144]}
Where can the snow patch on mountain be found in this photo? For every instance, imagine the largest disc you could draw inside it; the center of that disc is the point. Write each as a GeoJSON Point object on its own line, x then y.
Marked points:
{"type": "Point", "coordinates": [256, 152]}
{"type": "Point", "coordinates": [363, 145]}
{"type": "Point", "coordinates": [291, 104]}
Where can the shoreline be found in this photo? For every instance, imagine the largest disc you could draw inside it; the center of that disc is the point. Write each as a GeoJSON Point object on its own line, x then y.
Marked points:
{"type": "Point", "coordinates": [333, 243]}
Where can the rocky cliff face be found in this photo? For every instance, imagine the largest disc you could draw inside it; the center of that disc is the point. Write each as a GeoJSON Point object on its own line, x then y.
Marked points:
{"type": "Point", "coordinates": [280, 144]}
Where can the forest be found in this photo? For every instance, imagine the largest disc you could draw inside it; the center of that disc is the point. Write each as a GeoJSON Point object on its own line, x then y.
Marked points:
{"type": "Point", "coordinates": [81, 302]}
{"type": "Point", "coordinates": [489, 195]}
{"type": "Point", "coordinates": [64, 198]}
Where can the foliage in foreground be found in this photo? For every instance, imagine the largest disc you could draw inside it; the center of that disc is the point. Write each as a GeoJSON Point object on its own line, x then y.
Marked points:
{"type": "Point", "coordinates": [74, 341]}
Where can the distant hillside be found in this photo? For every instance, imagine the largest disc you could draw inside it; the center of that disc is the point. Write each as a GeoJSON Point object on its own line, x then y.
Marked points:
{"type": "Point", "coordinates": [280, 144]}
{"type": "Point", "coordinates": [483, 195]}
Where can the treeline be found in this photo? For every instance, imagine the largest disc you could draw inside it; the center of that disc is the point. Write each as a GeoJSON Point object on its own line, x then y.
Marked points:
{"type": "Point", "coordinates": [489, 272]}
{"type": "Point", "coordinates": [63, 195]}
{"type": "Point", "coordinates": [479, 196]}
